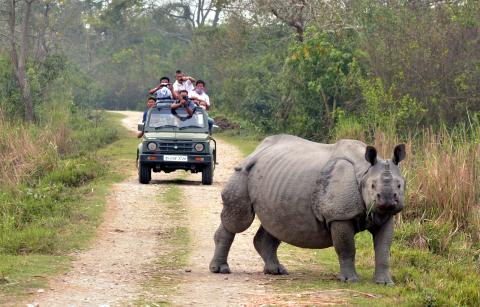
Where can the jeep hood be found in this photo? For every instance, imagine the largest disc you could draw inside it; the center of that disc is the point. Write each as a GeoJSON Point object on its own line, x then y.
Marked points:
{"type": "Point", "coordinates": [176, 136]}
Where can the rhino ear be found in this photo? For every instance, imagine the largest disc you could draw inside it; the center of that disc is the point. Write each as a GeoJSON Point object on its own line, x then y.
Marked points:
{"type": "Point", "coordinates": [399, 153]}
{"type": "Point", "coordinates": [371, 155]}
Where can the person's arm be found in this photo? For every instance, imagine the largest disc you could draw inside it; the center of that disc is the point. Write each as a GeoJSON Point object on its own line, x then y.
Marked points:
{"type": "Point", "coordinates": [190, 78]}
{"type": "Point", "coordinates": [207, 102]}
{"type": "Point", "coordinates": [202, 102]}
{"type": "Point", "coordinates": [175, 105]}
{"type": "Point", "coordinates": [153, 90]}
{"type": "Point", "coordinates": [189, 111]}
{"type": "Point", "coordinates": [176, 95]}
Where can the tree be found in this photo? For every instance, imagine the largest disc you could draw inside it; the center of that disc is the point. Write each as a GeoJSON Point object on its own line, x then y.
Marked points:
{"type": "Point", "coordinates": [325, 73]}
{"type": "Point", "coordinates": [196, 13]}
{"type": "Point", "coordinates": [19, 51]}
{"type": "Point", "coordinates": [295, 13]}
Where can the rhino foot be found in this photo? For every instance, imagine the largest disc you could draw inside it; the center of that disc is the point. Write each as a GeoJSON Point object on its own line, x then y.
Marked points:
{"type": "Point", "coordinates": [384, 279]}
{"type": "Point", "coordinates": [275, 269]}
{"type": "Point", "coordinates": [222, 268]}
{"type": "Point", "coordinates": [352, 278]}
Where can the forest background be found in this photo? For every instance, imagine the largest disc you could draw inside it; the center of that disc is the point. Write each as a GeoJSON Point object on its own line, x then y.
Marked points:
{"type": "Point", "coordinates": [383, 72]}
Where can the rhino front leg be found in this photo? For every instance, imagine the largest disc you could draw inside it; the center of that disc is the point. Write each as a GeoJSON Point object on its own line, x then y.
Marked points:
{"type": "Point", "coordinates": [267, 245]}
{"type": "Point", "coordinates": [223, 241]}
{"type": "Point", "coordinates": [343, 237]}
{"type": "Point", "coordinates": [382, 240]}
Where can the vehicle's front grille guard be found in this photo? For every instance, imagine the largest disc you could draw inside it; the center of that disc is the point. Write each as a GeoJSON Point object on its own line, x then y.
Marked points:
{"type": "Point", "coordinates": [181, 147]}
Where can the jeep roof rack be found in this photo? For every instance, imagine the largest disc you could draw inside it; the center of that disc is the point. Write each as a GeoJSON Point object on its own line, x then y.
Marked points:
{"type": "Point", "coordinates": [162, 103]}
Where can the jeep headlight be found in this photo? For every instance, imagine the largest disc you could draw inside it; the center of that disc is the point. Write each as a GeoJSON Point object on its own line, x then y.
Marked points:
{"type": "Point", "coordinates": [152, 146]}
{"type": "Point", "coordinates": [199, 147]}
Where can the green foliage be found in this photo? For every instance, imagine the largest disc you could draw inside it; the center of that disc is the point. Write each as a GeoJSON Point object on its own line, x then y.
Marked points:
{"type": "Point", "coordinates": [438, 67]}
{"type": "Point", "coordinates": [383, 111]}
{"type": "Point", "coordinates": [45, 202]}
{"type": "Point", "coordinates": [322, 73]}
{"type": "Point", "coordinates": [10, 102]}
{"type": "Point", "coordinates": [33, 215]}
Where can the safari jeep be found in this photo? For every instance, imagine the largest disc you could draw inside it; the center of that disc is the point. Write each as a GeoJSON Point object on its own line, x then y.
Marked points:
{"type": "Point", "coordinates": [173, 140]}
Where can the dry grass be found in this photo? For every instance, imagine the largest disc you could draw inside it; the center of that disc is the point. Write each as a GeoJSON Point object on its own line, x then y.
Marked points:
{"type": "Point", "coordinates": [27, 152]}
{"type": "Point", "coordinates": [445, 181]}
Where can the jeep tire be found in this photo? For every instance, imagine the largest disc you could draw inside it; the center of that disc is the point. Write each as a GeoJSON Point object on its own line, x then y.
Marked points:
{"type": "Point", "coordinates": [207, 174]}
{"type": "Point", "coordinates": [144, 173]}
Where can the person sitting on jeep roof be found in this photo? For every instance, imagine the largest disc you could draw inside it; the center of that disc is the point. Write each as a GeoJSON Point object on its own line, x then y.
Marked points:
{"type": "Point", "coordinates": [199, 96]}
{"type": "Point", "coordinates": [163, 90]}
{"type": "Point", "coordinates": [202, 100]}
{"type": "Point", "coordinates": [185, 102]}
{"type": "Point", "coordinates": [182, 83]}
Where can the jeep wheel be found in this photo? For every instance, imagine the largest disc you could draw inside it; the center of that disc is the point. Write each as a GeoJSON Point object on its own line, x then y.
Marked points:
{"type": "Point", "coordinates": [144, 173]}
{"type": "Point", "coordinates": [207, 174]}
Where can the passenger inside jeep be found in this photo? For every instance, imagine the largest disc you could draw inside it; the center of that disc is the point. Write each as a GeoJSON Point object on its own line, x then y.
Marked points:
{"type": "Point", "coordinates": [184, 101]}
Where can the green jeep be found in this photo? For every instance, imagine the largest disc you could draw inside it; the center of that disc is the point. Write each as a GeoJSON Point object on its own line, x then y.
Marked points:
{"type": "Point", "coordinates": [174, 140]}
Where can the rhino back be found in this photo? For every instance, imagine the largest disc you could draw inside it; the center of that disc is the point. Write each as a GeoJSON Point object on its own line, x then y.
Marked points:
{"type": "Point", "coordinates": [282, 183]}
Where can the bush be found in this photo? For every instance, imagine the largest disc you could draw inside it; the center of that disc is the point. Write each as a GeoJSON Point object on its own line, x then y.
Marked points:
{"type": "Point", "coordinates": [44, 165]}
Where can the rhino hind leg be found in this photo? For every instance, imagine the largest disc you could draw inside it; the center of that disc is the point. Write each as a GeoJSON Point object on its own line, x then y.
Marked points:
{"type": "Point", "coordinates": [223, 241]}
{"type": "Point", "coordinates": [267, 245]}
{"type": "Point", "coordinates": [237, 215]}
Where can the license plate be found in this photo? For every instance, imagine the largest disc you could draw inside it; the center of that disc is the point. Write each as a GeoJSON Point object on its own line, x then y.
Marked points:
{"type": "Point", "coordinates": [175, 158]}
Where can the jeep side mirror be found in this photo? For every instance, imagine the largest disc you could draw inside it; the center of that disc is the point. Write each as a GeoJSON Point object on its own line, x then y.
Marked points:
{"type": "Point", "coordinates": [141, 126]}
{"type": "Point", "coordinates": [215, 127]}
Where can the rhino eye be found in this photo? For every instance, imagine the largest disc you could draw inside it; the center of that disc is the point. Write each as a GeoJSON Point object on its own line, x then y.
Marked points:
{"type": "Point", "coordinates": [399, 186]}
{"type": "Point", "coordinates": [373, 185]}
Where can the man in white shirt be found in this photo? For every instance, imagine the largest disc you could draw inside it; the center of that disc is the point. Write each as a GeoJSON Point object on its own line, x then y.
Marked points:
{"type": "Point", "coordinates": [182, 82]}
{"type": "Point", "coordinates": [199, 96]}
{"type": "Point", "coordinates": [201, 99]}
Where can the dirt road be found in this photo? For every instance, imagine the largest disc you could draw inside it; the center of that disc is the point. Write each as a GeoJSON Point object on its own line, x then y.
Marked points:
{"type": "Point", "coordinates": [113, 270]}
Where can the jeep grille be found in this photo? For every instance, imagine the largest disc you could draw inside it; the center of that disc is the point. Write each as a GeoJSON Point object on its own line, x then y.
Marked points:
{"type": "Point", "coordinates": [176, 147]}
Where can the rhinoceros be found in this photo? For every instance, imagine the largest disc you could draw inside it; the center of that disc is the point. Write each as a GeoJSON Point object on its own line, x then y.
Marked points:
{"type": "Point", "coordinates": [313, 195]}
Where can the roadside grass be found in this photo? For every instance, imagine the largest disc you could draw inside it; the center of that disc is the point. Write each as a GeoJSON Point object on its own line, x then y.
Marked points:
{"type": "Point", "coordinates": [175, 240]}
{"type": "Point", "coordinates": [245, 143]}
{"type": "Point", "coordinates": [43, 223]}
{"type": "Point", "coordinates": [432, 263]}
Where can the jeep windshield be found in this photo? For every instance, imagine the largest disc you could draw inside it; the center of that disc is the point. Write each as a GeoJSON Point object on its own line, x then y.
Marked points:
{"type": "Point", "coordinates": [167, 118]}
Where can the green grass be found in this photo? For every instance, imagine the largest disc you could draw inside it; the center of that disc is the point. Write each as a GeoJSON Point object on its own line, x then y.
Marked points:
{"type": "Point", "coordinates": [175, 242]}
{"type": "Point", "coordinates": [444, 270]}
{"type": "Point", "coordinates": [244, 143]}
{"type": "Point", "coordinates": [27, 273]}
{"type": "Point", "coordinates": [59, 214]}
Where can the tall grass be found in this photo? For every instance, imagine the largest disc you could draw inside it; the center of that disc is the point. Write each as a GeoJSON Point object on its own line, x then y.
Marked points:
{"type": "Point", "coordinates": [26, 151]}
{"type": "Point", "coordinates": [43, 167]}
{"type": "Point", "coordinates": [445, 178]}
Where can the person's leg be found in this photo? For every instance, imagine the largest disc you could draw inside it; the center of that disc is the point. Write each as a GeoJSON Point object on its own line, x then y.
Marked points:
{"type": "Point", "coordinates": [210, 124]}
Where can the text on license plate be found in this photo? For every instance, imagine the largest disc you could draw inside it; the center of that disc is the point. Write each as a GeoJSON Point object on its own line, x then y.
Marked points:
{"type": "Point", "coordinates": [175, 158]}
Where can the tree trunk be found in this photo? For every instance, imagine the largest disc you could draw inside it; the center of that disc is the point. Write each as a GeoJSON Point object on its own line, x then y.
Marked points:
{"type": "Point", "coordinates": [216, 18]}
{"type": "Point", "coordinates": [22, 71]}
{"type": "Point", "coordinates": [19, 60]}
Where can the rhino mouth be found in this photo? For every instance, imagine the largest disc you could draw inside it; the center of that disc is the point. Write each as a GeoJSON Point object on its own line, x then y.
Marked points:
{"type": "Point", "coordinates": [387, 206]}
{"type": "Point", "coordinates": [384, 207]}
